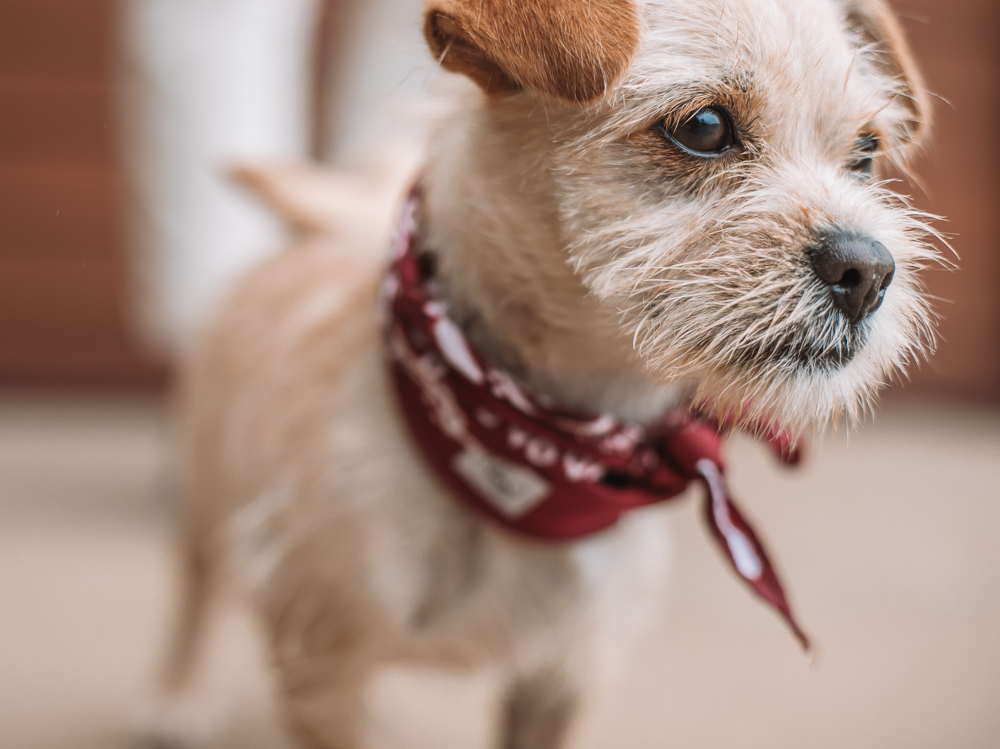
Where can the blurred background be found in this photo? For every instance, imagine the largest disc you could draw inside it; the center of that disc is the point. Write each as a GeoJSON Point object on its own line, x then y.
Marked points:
{"type": "Point", "coordinates": [119, 232]}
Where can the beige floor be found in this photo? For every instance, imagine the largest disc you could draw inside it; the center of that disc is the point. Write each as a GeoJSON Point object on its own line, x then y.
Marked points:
{"type": "Point", "coordinates": [889, 542]}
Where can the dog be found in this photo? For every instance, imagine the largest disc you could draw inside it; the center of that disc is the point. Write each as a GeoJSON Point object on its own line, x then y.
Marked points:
{"type": "Point", "coordinates": [631, 208]}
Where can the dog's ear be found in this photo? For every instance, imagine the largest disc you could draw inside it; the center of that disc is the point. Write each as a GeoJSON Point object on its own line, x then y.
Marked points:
{"type": "Point", "coordinates": [575, 50]}
{"type": "Point", "coordinates": [878, 28]}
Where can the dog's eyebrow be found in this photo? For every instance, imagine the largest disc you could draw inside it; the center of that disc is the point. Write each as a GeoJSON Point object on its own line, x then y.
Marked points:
{"type": "Point", "coordinates": [642, 103]}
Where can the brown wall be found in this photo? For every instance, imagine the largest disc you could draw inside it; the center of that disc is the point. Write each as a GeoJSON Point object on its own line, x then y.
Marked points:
{"type": "Point", "coordinates": [63, 280]}
{"type": "Point", "coordinates": [957, 45]}
{"type": "Point", "coordinates": [62, 272]}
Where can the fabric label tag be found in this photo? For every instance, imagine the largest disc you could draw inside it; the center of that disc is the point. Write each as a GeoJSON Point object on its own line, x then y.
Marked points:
{"type": "Point", "coordinates": [508, 487]}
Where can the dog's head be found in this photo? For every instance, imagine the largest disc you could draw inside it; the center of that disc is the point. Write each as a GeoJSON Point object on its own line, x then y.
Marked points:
{"type": "Point", "coordinates": [713, 167]}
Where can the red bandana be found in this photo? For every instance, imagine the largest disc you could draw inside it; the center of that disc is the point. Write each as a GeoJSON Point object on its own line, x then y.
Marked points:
{"type": "Point", "coordinates": [536, 469]}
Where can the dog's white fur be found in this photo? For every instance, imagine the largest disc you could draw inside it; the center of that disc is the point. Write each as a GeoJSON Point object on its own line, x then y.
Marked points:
{"type": "Point", "coordinates": [597, 268]}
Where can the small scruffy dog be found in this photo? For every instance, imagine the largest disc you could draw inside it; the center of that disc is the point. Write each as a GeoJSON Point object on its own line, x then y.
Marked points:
{"type": "Point", "coordinates": [642, 205]}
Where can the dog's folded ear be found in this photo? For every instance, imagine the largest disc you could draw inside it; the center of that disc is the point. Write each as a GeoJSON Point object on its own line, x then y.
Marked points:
{"type": "Point", "coordinates": [878, 29]}
{"type": "Point", "coordinates": [575, 50]}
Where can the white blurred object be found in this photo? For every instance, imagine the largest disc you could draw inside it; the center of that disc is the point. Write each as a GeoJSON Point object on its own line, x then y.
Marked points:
{"type": "Point", "coordinates": [379, 102]}
{"type": "Point", "coordinates": [209, 84]}
{"type": "Point", "coordinates": [213, 84]}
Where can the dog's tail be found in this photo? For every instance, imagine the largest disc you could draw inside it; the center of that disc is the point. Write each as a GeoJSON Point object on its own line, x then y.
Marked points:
{"type": "Point", "coordinates": [318, 201]}
{"type": "Point", "coordinates": [310, 198]}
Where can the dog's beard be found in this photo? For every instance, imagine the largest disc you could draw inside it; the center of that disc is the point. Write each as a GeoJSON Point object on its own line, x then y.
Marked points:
{"type": "Point", "coordinates": [787, 355]}
{"type": "Point", "coordinates": [763, 339]}
{"type": "Point", "coordinates": [795, 329]}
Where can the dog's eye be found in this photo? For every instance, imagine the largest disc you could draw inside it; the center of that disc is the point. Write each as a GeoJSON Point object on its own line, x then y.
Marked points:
{"type": "Point", "coordinates": [863, 160]}
{"type": "Point", "coordinates": [706, 133]}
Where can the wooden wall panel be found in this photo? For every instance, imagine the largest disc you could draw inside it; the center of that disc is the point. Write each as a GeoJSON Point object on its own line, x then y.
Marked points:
{"type": "Point", "coordinates": [956, 45]}
{"type": "Point", "coordinates": [55, 121]}
{"type": "Point", "coordinates": [51, 211]}
{"type": "Point", "coordinates": [57, 39]}
{"type": "Point", "coordinates": [63, 272]}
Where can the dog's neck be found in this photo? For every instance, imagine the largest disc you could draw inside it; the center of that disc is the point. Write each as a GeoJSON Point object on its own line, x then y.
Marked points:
{"type": "Point", "coordinates": [491, 219]}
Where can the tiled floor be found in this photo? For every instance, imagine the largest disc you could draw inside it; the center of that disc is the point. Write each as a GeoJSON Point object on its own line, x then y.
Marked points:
{"type": "Point", "coordinates": [888, 540]}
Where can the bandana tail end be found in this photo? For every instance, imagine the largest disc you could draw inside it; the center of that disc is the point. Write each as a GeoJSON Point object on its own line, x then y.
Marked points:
{"type": "Point", "coordinates": [744, 550]}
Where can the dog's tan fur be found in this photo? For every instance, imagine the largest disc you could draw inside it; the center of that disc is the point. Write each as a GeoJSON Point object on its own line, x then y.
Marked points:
{"type": "Point", "coordinates": [595, 263]}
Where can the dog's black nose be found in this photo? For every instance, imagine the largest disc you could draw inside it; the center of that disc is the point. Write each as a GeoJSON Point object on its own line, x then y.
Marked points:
{"type": "Point", "coordinates": [858, 271]}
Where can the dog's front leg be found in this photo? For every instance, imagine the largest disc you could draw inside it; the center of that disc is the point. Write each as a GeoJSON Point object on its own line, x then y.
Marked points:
{"type": "Point", "coordinates": [329, 712]}
{"type": "Point", "coordinates": [538, 710]}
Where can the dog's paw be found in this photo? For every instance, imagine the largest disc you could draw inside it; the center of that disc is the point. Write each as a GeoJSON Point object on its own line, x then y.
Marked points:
{"type": "Point", "coordinates": [178, 724]}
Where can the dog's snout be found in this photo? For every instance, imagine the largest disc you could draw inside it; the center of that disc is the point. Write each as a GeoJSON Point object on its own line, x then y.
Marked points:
{"type": "Point", "coordinates": [857, 270]}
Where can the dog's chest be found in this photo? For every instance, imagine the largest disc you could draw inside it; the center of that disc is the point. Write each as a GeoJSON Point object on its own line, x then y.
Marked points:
{"type": "Point", "coordinates": [494, 597]}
